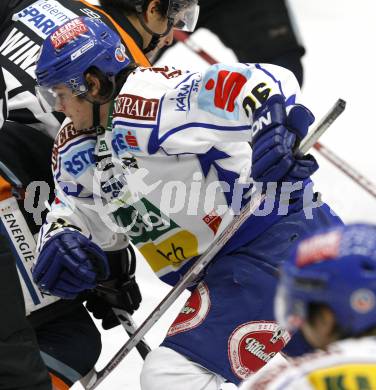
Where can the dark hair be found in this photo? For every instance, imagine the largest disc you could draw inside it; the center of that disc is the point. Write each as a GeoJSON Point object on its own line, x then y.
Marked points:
{"type": "Point", "coordinates": [314, 311]}
{"type": "Point", "coordinates": [107, 90]}
{"type": "Point", "coordinates": [122, 76]}
{"type": "Point", "coordinates": [106, 86]}
{"type": "Point", "coordinates": [128, 6]}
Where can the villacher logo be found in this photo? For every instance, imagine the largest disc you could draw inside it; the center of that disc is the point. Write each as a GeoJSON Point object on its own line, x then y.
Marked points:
{"type": "Point", "coordinates": [254, 344]}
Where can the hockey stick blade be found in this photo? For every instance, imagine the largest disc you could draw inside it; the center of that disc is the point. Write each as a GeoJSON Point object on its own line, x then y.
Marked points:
{"type": "Point", "coordinates": [206, 257]}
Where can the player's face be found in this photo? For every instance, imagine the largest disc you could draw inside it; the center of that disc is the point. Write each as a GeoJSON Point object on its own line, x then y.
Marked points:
{"type": "Point", "coordinates": [159, 24]}
{"type": "Point", "coordinates": [77, 109]}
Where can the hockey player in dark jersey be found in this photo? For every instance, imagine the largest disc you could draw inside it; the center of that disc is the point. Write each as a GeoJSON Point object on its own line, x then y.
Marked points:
{"type": "Point", "coordinates": [26, 139]}
{"type": "Point", "coordinates": [256, 31]}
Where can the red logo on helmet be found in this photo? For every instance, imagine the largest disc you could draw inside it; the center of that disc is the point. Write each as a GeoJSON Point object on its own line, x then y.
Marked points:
{"type": "Point", "coordinates": [194, 311]}
{"type": "Point", "coordinates": [67, 32]}
{"type": "Point", "coordinates": [318, 248]}
{"type": "Point", "coordinates": [254, 344]}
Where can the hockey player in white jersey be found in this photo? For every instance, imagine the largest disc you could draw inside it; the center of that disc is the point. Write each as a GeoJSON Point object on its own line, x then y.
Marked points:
{"type": "Point", "coordinates": [328, 289]}
{"type": "Point", "coordinates": [166, 164]}
{"type": "Point", "coordinates": [26, 141]}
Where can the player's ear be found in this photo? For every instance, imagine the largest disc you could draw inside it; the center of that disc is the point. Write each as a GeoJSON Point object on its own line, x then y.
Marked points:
{"type": "Point", "coordinates": [152, 10]}
{"type": "Point", "coordinates": [94, 85]}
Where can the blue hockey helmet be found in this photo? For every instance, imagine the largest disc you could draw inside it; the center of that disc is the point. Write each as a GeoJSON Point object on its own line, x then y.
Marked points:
{"type": "Point", "coordinates": [337, 268]}
{"type": "Point", "coordinates": [73, 48]}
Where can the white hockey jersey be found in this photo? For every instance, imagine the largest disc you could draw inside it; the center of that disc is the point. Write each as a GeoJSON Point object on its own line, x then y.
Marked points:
{"type": "Point", "coordinates": [180, 163]}
{"type": "Point", "coordinates": [349, 365]}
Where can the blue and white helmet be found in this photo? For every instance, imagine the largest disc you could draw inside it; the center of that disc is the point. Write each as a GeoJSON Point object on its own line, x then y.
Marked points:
{"type": "Point", "coordinates": [73, 48]}
{"type": "Point", "coordinates": [337, 268]}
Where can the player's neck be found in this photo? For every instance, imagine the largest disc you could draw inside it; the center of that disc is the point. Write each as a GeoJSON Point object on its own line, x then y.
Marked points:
{"type": "Point", "coordinates": [104, 112]}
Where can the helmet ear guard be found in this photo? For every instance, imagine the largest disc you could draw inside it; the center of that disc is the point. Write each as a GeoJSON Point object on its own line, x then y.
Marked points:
{"type": "Point", "coordinates": [335, 268]}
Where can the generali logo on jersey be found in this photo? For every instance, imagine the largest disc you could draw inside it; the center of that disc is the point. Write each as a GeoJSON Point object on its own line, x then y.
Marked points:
{"type": "Point", "coordinates": [136, 107]}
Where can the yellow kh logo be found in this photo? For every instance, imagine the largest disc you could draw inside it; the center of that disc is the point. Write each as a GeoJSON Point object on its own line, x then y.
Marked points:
{"type": "Point", "coordinates": [173, 251]}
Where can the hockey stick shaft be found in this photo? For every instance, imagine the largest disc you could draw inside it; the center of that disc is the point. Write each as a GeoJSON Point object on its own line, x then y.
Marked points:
{"type": "Point", "coordinates": [347, 169]}
{"type": "Point", "coordinates": [130, 327]}
{"type": "Point", "coordinates": [183, 37]}
{"type": "Point", "coordinates": [123, 316]}
{"type": "Point", "coordinates": [338, 162]}
{"type": "Point", "coordinates": [126, 320]}
{"type": "Point", "coordinates": [196, 269]}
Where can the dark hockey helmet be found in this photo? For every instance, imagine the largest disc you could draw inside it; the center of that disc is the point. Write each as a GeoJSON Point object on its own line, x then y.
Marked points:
{"type": "Point", "coordinates": [73, 48]}
{"type": "Point", "coordinates": [337, 268]}
{"type": "Point", "coordinates": [182, 14]}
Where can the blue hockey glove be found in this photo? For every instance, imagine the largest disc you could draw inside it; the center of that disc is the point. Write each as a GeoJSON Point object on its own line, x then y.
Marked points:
{"type": "Point", "coordinates": [275, 138]}
{"type": "Point", "coordinates": [68, 264]}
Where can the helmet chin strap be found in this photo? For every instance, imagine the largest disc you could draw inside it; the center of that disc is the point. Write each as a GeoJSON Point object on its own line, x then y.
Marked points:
{"type": "Point", "coordinates": [96, 105]}
{"type": "Point", "coordinates": [97, 118]}
{"type": "Point", "coordinates": [155, 37]}
{"type": "Point", "coordinates": [153, 44]}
